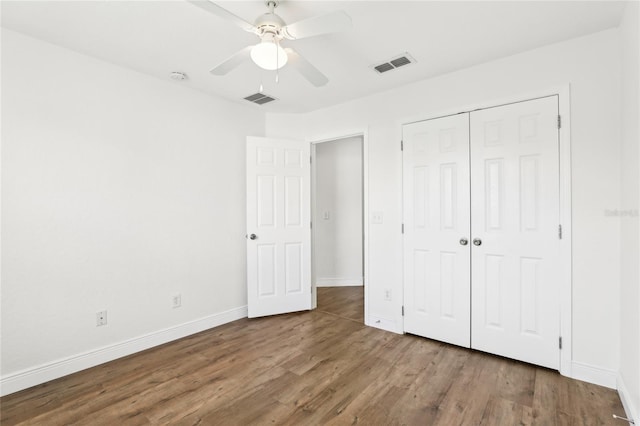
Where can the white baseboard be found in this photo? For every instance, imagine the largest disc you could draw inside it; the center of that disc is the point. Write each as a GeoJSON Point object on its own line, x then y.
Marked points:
{"type": "Point", "coordinates": [632, 411]}
{"type": "Point", "coordinates": [383, 324]}
{"type": "Point", "coordinates": [595, 375]}
{"type": "Point", "coordinates": [50, 371]}
{"type": "Point", "coordinates": [338, 282]}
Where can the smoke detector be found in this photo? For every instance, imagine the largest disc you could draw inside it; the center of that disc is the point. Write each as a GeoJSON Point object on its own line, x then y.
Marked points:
{"type": "Point", "coordinates": [177, 76]}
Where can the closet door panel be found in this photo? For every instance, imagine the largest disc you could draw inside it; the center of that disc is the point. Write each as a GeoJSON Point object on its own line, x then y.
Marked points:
{"type": "Point", "coordinates": [514, 221]}
{"type": "Point", "coordinates": [436, 219]}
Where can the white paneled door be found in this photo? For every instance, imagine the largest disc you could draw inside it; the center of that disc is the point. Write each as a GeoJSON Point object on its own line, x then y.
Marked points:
{"type": "Point", "coordinates": [278, 226]}
{"type": "Point", "coordinates": [515, 220]}
{"type": "Point", "coordinates": [481, 219]}
{"type": "Point", "coordinates": [436, 229]}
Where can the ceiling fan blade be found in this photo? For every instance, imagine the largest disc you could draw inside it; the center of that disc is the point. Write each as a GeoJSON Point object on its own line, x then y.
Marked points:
{"type": "Point", "coordinates": [224, 14]}
{"type": "Point", "coordinates": [308, 71]}
{"type": "Point", "coordinates": [333, 22]}
{"type": "Point", "coordinates": [231, 63]}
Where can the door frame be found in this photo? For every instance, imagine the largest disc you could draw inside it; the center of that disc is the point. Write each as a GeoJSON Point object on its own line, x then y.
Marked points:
{"type": "Point", "coordinates": [363, 133]}
{"type": "Point", "coordinates": [564, 137]}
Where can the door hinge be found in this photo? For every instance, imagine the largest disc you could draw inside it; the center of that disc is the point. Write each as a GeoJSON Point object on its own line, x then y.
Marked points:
{"type": "Point", "coordinates": [311, 225]}
{"type": "Point", "coordinates": [559, 232]}
{"type": "Point", "coordinates": [403, 228]}
{"type": "Point", "coordinates": [310, 159]}
{"type": "Point", "coordinates": [402, 310]}
{"type": "Point", "coordinates": [401, 145]}
{"type": "Point", "coordinates": [560, 342]}
{"type": "Point", "coordinates": [559, 121]}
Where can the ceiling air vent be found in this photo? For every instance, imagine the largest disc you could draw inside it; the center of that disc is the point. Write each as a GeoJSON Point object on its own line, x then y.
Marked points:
{"type": "Point", "coordinates": [384, 67]}
{"type": "Point", "coordinates": [260, 98]}
{"type": "Point", "coordinates": [397, 62]}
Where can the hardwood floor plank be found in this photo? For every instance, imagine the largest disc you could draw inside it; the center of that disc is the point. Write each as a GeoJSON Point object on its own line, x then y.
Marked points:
{"type": "Point", "coordinates": [326, 343]}
{"type": "Point", "coordinates": [248, 406]}
{"type": "Point", "coordinates": [380, 410]}
{"type": "Point", "coordinates": [319, 367]}
{"type": "Point", "coordinates": [516, 382]}
{"type": "Point", "coordinates": [545, 397]}
{"type": "Point", "coordinates": [346, 302]}
{"type": "Point", "coordinates": [338, 393]}
{"type": "Point", "coordinates": [432, 384]}
{"type": "Point", "coordinates": [587, 403]}
{"type": "Point", "coordinates": [501, 411]}
{"type": "Point", "coordinates": [468, 396]}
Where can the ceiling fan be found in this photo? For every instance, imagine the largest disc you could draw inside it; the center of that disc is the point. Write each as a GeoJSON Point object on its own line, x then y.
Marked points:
{"type": "Point", "coordinates": [271, 29]}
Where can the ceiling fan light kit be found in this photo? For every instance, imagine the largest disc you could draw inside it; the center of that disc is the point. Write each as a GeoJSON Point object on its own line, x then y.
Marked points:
{"type": "Point", "coordinates": [271, 28]}
{"type": "Point", "coordinates": [269, 55]}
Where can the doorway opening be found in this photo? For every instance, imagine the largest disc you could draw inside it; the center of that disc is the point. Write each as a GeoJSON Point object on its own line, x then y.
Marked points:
{"type": "Point", "coordinates": [338, 251]}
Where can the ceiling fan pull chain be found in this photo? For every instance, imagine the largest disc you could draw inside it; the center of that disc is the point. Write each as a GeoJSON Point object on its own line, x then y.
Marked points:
{"type": "Point", "coordinates": [277, 62]}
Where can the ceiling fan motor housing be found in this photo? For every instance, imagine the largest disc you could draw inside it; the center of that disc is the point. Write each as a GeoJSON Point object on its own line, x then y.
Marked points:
{"type": "Point", "coordinates": [269, 23]}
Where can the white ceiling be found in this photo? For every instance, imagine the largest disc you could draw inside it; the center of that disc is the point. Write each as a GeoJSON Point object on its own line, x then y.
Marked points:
{"type": "Point", "coordinates": [157, 37]}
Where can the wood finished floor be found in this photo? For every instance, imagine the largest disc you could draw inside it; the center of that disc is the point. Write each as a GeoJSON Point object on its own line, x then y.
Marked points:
{"type": "Point", "coordinates": [345, 302]}
{"type": "Point", "coordinates": [319, 367]}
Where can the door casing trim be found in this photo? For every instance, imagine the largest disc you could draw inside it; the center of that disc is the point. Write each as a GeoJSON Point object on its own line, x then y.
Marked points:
{"type": "Point", "coordinates": [330, 137]}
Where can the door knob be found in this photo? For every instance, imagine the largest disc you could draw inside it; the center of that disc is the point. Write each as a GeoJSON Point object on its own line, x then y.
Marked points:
{"type": "Point", "coordinates": [464, 241]}
{"type": "Point", "coordinates": [477, 242]}
{"type": "Point", "coordinates": [253, 236]}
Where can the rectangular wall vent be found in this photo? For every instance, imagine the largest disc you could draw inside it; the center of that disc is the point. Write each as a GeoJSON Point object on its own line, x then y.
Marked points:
{"type": "Point", "coordinates": [260, 98]}
{"type": "Point", "coordinates": [396, 62]}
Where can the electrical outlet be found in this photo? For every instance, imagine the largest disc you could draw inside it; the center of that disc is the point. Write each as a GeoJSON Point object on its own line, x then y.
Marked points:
{"type": "Point", "coordinates": [377, 218]}
{"type": "Point", "coordinates": [101, 318]}
{"type": "Point", "coordinates": [387, 294]}
{"type": "Point", "coordinates": [177, 300]}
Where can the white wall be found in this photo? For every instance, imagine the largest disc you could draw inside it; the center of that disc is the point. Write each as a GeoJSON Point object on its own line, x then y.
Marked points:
{"type": "Point", "coordinates": [119, 190]}
{"type": "Point", "coordinates": [591, 65]}
{"type": "Point", "coordinates": [338, 213]}
{"type": "Point", "coordinates": [629, 379]}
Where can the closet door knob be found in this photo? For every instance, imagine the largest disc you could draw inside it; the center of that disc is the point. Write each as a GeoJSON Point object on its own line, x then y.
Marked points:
{"type": "Point", "coordinates": [477, 242]}
{"type": "Point", "coordinates": [464, 241]}
{"type": "Point", "coordinates": [253, 236]}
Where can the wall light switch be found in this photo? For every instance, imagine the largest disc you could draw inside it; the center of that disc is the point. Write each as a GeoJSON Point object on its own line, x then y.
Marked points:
{"type": "Point", "coordinates": [387, 294]}
{"type": "Point", "coordinates": [176, 301]}
{"type": "Point", "coordinates": [325, 215]}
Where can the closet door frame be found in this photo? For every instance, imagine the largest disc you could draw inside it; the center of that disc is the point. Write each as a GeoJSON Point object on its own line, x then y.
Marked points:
{"type": "Point", "coordinates": [564, 136]}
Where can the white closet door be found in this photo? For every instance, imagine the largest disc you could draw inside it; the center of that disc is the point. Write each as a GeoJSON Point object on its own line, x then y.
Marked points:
{"type": "Point", "coordinates": [278, 226]}
{"type": "Point", "coordinates": [436, 225]}
{"type": "Point", "coordinates": [515, 219]}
